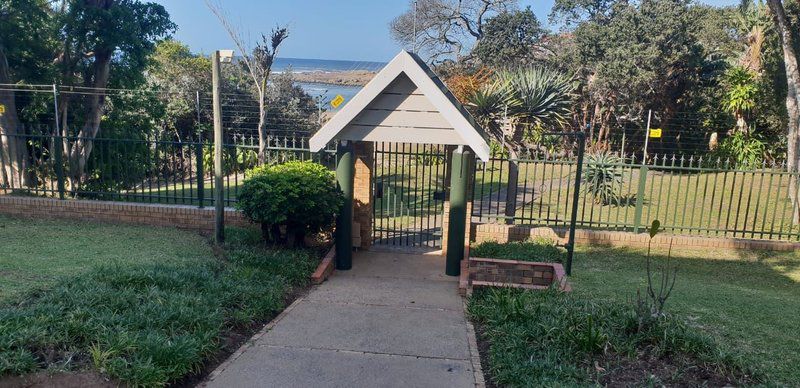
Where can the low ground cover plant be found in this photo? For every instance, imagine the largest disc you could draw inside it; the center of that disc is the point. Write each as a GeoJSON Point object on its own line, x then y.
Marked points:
{"type": "Point", "coordinates": [290, 200]}
{"type": "Point", "coordinates": [554, 338]}
{"type": "Point", "coordinates": [150, 324]}
{"type": "Point", "coordinates": [541, 250]}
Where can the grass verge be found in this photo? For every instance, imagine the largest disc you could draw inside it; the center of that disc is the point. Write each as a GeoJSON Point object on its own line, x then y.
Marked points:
{"type": "Point", "coordinates": [154, 322]}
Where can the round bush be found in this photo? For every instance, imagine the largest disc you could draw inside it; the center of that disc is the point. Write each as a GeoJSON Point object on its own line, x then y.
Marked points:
{"type": "Point", "coordinates": [300, 196]}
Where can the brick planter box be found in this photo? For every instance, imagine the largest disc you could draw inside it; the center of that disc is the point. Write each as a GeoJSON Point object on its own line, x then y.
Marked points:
{"type": "Point", "coordinates": [481, 272]}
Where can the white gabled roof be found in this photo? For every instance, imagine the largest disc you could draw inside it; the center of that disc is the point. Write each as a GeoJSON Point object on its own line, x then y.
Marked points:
{"type": "Point", "coordinates": [405, 102]}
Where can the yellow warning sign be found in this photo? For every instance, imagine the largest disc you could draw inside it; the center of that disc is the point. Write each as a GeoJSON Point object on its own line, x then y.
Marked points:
{"type": "Point", "coordinates": [2, 109]}
{"type": "Point", "coordinates": [655, 132]}
{"type": "Point", "coordinates": [338, 100]}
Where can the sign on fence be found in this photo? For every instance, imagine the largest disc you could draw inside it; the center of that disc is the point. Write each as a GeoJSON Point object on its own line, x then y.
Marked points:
{"type": "Point", "coordinates": [2, 109]}
{"type": "Point", "coordinates": [338, 100]}
{"type": "Point", "coordinates": [655, 132]}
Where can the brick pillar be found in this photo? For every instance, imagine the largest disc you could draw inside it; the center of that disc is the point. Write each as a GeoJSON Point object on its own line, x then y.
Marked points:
{"type": "Point", "coordinates": [362, 191]}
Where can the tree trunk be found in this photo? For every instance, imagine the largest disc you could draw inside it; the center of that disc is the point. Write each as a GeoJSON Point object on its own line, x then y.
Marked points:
{"type": "Point", "coordinates": [82, 146]}
{"type": "Point", "coordinates": [262, 127]}
{"type": "Point", "coordinates": [790, 59]}
{"type": "Point", "coordinates": [13, 153]}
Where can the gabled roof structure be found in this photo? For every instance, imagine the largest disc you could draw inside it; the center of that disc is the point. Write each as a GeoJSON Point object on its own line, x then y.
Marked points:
{"type": "Point", "coordinates": [405, 102]}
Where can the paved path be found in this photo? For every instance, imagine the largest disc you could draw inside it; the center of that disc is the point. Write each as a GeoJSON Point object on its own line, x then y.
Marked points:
{"type": "Point", "coordinates": [393, 320]}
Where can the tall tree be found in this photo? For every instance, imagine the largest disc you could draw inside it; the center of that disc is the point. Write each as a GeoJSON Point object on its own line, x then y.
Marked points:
{"type": "Point", "coordinates": [180, 75]}
{"type": "Point", "coordinates": [786, 30]}
{"type": "Point", "coordinates": [445, 28]}
{"type": "Point", "coordinates": [99, 36]}
{"type": "Point", "coordinates": [511, 38]}
{"type": "Point", "coordinates": [24, 56]}
{"type": "Point", "coordinates": [632, 56]}
{"type": "Point", "coordinates": [258, 63]}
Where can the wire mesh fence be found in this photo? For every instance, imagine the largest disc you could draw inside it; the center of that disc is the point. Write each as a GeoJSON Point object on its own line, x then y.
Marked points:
{"type": "Point", "coordinates": [153, 146]}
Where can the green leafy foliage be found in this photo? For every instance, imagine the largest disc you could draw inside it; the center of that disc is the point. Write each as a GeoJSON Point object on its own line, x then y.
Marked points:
{"type": "Point", "coordinates": [300, 195]}
{"type": "Point", "coordinates": [552, 338]}
{"type": "Point", "coordinates": [530, 99]}
{"type": "Point", "coordinates": [742, 150]}
{"type": "Point", "coordinates": [510, 38]}
{"type": "Point", "coordinates": [151, 323]}
{"type": "Point", "coordinates": [654, 227]}
{"type": "Point", "coordinates": [741, 90]}
{"type": "Point", "coordinates": [541, 249]}
{"type": "Point", "coordinates": [602, 178]}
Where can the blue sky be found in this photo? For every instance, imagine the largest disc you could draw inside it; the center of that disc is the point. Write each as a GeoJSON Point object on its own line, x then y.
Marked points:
{"type": "Point", "coordinates": [325, 29]}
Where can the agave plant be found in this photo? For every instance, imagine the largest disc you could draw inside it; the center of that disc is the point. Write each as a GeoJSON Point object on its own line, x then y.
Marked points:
{"type": "Point", "coordinates": [532, 96]}
{"type": "Point", "coordinates": [541, 97]}
{"type": "Point", "coordinates": [602, 177]}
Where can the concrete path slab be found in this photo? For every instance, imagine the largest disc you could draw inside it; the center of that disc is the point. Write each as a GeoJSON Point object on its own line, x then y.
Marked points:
{"type": "Point", "coordinates": [411, 293]}
{"type": "Point", "coordinates": [393, 320]}
{"type": "Point", "coordinates": [296, 367]}
{"type": "Point", "coordinates": [375, 329]}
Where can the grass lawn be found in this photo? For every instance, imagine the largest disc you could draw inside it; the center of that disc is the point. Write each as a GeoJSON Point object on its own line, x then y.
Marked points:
{"type": "Point", "coordinates": [743, 303]}
{"type": "Point", "coordinates": [143, 305]}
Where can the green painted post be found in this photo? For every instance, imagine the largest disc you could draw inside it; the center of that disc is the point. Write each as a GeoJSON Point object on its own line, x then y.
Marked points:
{"type": "Point", "coordinates": [637, 215]}
{"type": "Point", "coordinates": [459, 178]}
{"type": "Point", "coordinates": [345, 174]}
{"type": "Point", "coordinates": [201, 186]}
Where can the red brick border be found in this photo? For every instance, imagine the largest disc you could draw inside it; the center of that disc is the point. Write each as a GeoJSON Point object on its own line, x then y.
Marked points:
{"type": "Point", "coordinates": [180, 216]}
{"type": "Point", "coordinates": [505, 233]}
{"type": "Point", "coordinates": [483, 272]}
{"type": "Point", "coordinates": [325, 268]}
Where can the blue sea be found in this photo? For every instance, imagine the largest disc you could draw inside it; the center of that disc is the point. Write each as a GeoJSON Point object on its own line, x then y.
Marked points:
{"type": "Point", "coordinates": [301, 65]}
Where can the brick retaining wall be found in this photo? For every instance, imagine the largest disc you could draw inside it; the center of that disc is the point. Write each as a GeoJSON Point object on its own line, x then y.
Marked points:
{"type": "Point", "coordinates": [180, 216]}
{"type": "Point", "coordinates": [482, 272]}
{"type": "Point", "coordinates": [505, 233]}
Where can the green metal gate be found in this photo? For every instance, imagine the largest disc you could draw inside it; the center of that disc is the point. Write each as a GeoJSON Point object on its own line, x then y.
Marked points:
{"type": "Point", "coordinates": [409, 192]}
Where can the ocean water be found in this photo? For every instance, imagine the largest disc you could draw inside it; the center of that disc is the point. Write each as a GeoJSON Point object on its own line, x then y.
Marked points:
{"type": "Point", "coordinates": [300, 65]}
{"type": "Point", "coordinates": [328, 92]}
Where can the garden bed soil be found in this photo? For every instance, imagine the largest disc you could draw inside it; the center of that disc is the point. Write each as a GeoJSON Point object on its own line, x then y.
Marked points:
{"type": "Point", "coordinates": [45, 379]}
{"type": "Point", "coordinates": [648, 369]}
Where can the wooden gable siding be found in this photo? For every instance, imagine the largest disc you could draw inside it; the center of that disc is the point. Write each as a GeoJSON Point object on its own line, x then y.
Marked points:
{"type": "Point", "coordinates": [401, 113]}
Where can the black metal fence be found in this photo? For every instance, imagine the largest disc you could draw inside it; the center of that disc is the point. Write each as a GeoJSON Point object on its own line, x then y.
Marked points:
{"type": "Point", "coordinates": [136, 170]}
{"type": "Point", "coordinates": [689, 196]}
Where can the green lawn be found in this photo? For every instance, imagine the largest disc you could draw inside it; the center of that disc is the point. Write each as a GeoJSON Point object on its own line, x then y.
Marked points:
{"type": "Point", "coordinates": [38, 254]}
{"type": "Point", "coordinates": [749, 301]}
{"type": "Point", "coordinates": [144, 305]}
{"type": "Point", "coordinates": [745, 302]}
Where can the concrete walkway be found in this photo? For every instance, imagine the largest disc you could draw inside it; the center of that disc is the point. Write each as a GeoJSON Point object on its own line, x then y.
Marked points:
{"type": "Point", "coordinates": [393, 320]}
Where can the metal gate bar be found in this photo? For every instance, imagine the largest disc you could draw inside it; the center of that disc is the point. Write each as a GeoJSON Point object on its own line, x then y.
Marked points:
{"type": "Point", "coordinates": [408, 203]}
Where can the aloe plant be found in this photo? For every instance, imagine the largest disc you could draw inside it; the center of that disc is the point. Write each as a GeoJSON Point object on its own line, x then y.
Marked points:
{"type": "Point", "coordinates": [602, 177]}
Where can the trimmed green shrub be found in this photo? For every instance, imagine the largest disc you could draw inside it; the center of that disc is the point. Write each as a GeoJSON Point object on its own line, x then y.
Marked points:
{"type": "Point", "coordinates": [298, 197]}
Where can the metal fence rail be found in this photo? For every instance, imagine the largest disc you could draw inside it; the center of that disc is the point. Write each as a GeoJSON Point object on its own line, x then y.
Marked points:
{"type": "Point", "coordinates": [689, 196]}
{"type": "Point", "coordinates": [144, 170]}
